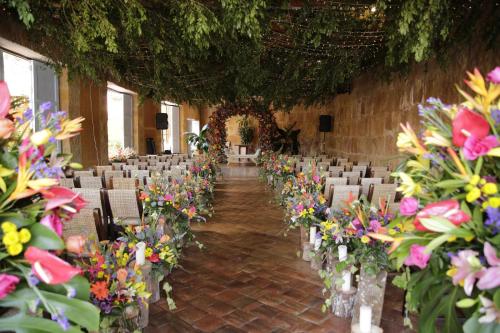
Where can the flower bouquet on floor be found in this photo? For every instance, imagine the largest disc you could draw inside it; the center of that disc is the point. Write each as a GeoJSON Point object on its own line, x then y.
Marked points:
{"type": "Point", "coordinates": [119, 154]}
{"type": "Point", "coordinates": [160, 252]}
{"type": "Point", "coordinates": [450, 215]}
{"type": "Point", "coordinates": [117, 286]}
{"type": "Point", "coordinates": [39, 292]}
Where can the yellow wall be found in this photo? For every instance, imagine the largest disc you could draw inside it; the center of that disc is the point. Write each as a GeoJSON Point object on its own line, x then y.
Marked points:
{"type": "Point", "coordinates": [187, 112]}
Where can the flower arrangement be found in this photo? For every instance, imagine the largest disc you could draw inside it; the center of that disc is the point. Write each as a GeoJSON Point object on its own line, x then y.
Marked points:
{"type": "Point", "coordinates": [450, 215]}
{"type": "Point", "coordinates": [38, 290]}
{"type": "Point", "coordinates": [120, 154]}
{"type": "Point", "coordinates": [277, 168]}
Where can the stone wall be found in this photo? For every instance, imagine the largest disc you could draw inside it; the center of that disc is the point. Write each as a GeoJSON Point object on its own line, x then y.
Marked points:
{"type": "Point", "coordinates": [233, 134]}
{"type": "Point", "coordinates": [366, 121]}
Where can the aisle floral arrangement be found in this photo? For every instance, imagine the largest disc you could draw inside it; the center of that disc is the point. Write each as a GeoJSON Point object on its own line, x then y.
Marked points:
{"type": "Point", "coordinates": [39, 291]}
{"type": "Point", "coordinates": [119, 154]}
{"type": "Point", "coordinates": [276, 169]}
{"type": "Point", "coordinates": [451, 212]}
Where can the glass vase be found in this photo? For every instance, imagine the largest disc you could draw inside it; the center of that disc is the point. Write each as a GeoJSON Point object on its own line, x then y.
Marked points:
{"type": "Point", "coordinates": [155, 289]}
{"type": "Point", "coordinates": [371, 291]}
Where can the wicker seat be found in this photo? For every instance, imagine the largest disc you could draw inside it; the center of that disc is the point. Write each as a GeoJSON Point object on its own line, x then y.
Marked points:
{"type": "Point", "coordinates": [67, 182]}
{"type": "Point", "coordinates": [335, 171]}
{"type": "Point", "coordinates": [121, 183]}
{"type": "Point", "coordinates": [86, 173]}
{"type": "Point", "coordinates": [366, 183]}
{"type": "Point", "coordinates": [341, 194]}
{"type": "Point", "coordinates": [101, 169]}
{"type": "Point", "coordinates": [330, 182]}
{"type": "Point", "coordinates": [123, 206]}
{"type": "Point", "coordinates": [374, 169]}
{"type": "Point", "coordinates": [88, 223]}
{"type": "Point", "coordinates": [353, 176]}
{"type": "Point", "coordinates": [114, 174]}
{"type": "Point", "coordinates": [387, 192]}
{"type": "Point", "coordinates": [360, 168]}
{"type": "Point", "coordinates": [118, 165]}
{"type": "Point", "coordinates": [90, 182]}
{"type": "Point", "coordinates": [92, 196]}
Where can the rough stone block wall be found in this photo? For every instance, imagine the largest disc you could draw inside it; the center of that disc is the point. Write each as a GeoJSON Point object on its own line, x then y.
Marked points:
{"type": "Point", "coordinates": [366, 121]}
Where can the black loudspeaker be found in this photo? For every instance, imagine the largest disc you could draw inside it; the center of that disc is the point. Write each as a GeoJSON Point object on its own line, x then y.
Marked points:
{"type": "Point", "coordinates": [325, 123]}
{"type": "Point", "coordinates": [161, 121]}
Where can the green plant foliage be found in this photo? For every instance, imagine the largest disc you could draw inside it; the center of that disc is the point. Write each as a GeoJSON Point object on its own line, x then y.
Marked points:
{"type": "Point", "coordinates": [246, 130]}
{"type": "Point", "coordinates": [200, 141]}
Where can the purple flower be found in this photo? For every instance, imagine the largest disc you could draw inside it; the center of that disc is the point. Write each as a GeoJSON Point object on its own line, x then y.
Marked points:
{"type": "Point", "coordinates": [490, 311]}
{"type": "Point", "coordinates": [490, 277]}
{"type": "Point", "coordinates": [417, 257]}
{"type": "Point", "coordinates": [494, 75]}
{"type": "Point", "coordinates": [71, 292]}
{"type": "Point", "coordinates": [495, 114]}
{"type": "Point", "coordinates": [475, 147]}
{"type": "Point", "coordinates": [493, 219]}
{"type": "Point", "coordinates": [375, 225]}
{"type": "Point", "coordinates": [61, 319]}
{"type": "Point", "coordinates": [45, 106]}
{"type": "Point", "coordinates": [468, 269]}
{"type": "Point", "coordinates": [408, 206]}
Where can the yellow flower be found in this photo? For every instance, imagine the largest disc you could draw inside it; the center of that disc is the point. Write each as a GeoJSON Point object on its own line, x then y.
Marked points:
{"type": "Point", "coordinates": [100, 275]}
{"type": "Point", "coordinates": [392, 232]}
{"type": "Point", "coordinates": [436, 139]}
{"type": "Point", "coordinates": [365, 239]}
{"type": "Point", "coordinates": [452, 271]}
{"type": "Point", "coordinates": [408, 186]}
{"type": "Point", "coordinates": [8, 226]}
{"type": "Point", "coordinates": [4, 172]}
{"type": "Point", "coordinates": [131, 245]}
{"type": "Point", "coordinates": [452, 238]}
{"type": "Point", "coordinates": [42, 183]}
{"type": "Point", "coordinates": [11, 238]}
{"type": "Point", "coordinates": [41, 137]}
{"type": "Point", "coordinates": [14, 249]}
{"type": "Point", "coordinates": [475, 180]}
{"type": "Point", "coordinates": [24, 235]}
{"type": "Point", "coordinates": [490, 188]}
{"type": "Point", "coordinates": [494, 202]}
{"type": "Point", "coordinates": [148, 252]}
{"type": "Point", "coordinates": [473, 195]}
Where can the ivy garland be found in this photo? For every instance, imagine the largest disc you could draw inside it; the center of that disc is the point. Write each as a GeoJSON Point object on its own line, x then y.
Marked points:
{"type": "Point", "coordinates": [208, 52]}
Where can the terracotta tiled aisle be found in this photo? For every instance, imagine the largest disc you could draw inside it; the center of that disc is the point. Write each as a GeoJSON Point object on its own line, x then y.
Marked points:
{"type": "Point", "coordinates": [248, 277]}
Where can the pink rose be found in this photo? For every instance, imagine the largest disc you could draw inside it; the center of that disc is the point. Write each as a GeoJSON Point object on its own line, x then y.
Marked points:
{"type": "Point", "coordinates": [408, 206]}
{"type": "Point", "coordinates": [474, 147]}
{"type": "Point", "coordinates": [7, 284]}
{"type": "Point", "coordinates": [417, 257]}
{"type": "Point", "coordinates": [494, 76]}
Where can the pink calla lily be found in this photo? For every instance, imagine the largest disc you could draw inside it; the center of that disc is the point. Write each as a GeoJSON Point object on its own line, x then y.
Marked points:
{"type": "Point", "coordinates": [467, 123]}
{"type": "Point", "coordinates": [448, 209]}
{"type": "Point", "coordinates": [4, 100]}
{"type": "Point", "coordinates": [58, 196]}
{"type": "Point", "coordinates": [49, 268]}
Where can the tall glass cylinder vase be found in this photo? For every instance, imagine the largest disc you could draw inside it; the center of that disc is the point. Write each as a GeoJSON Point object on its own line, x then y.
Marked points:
{"type": "Point", "coordinates": [155, 288]}
{"type": "Point", "coordinates": [304, 236]}
{"type": "Point", "coordinates": [371, 292]}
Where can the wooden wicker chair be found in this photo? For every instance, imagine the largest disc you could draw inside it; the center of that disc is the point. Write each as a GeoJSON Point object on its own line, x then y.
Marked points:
{"type": "Point", "coordinates": [88, 223]}
{"type": "Point", "coordinates": [132, 161]}
{"type": "Point", "coordinates": [341, 194]}
{"type": "Point", "coordinates": [121, 183]}
{"type": "Point", "coordinates": [142, 165]}
{"type": "Point", "coordinates": [323, 166]}
{"type": "Point", "coordinates": [360, 168]}
{"type": "Point", "coordinates": [127, 167]}
{"type": "Point", "coordinates": [90, 182]}
{"type": "Point", "coordinates": [123, 205]}
{"type": "Point", "coordinates": [86, 173]}
{"type": "Point", "coordinates": [363, 163]}
{"type": "Point", "coordinates": [342, 161]}
{"type": "Point", "coordinates": [353, 176]}
{"type": "Point", "coordinates": [382, 191]}
{"type": "Point", "coordinates": [67, 182]}
{"type": "Point", "coordinates": [101, 169]}
{"type": "Point", "coordinates": [385, 175]}
{"type": "Point", "coordinates": [118, 165]}
{"type": "Point", "coordinates": [329, 183]}
{"type": "Point", "coordinates": [335, 171]}
{"type": "Point", "coordinates": [366, 183]}
{"type": "Point", "coordinates": [139, 173]}
{"type": "Point", "coordinates": [113, 174]}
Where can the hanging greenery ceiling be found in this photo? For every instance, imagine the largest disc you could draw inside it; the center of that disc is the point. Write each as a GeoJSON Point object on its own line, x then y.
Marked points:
{"type": "Point", "coordinates": [210, 51]}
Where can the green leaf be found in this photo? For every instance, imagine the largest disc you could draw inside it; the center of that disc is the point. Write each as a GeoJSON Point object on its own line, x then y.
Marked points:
{"type": "Point", "coordinates": [451, 184]}
{"type": "Point", "coordinates": [472, 325]}
{"type": "Point", "coordinates": [436, 242]}
{"type": "Point", "coordinates": [44, 238]}
{"type": "Point", "coordinates": [17, 218]}
{"type": "Point", "coordinates": [466, 303]}
{"type": "Point", "coordinates": [496, 298]}
{"type": "Point", "coordinates": [437, 224]}
{"type": "Point", "coordinates": [22, 323]}
{"type": "Point", "coordinates": [79, 283]}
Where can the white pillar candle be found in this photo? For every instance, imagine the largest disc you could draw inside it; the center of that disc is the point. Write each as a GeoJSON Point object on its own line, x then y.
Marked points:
{"type": "Point", "coordinates": [317, 243]}
{"type": "Point", "coordinates": [312, 235]}
{"type": "Point", "coordinates": [365, 319]}
{"type": "Point", "coordinates": [140, 253]}
{"type": "Point", "coordinates": [342, 253]}
{"type": "Point", "coordinates": [346, 277]}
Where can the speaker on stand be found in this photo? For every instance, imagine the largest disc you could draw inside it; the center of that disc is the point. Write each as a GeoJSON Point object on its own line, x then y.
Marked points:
{"type": "Point", "coordinates": [161, 124]}
{"type": "Point", "coordinates": [325, 125]}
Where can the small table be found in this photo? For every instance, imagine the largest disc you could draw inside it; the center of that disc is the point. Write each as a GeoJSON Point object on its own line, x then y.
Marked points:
{"type": "Point", "coordinates": [242, 150]}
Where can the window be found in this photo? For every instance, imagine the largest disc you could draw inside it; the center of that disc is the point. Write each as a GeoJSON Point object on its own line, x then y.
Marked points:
{"type": "Point", "coordinates": [193, 127]}
{"type": "Point", "coordinates": [171, 136]}
{"type": "Point", "coordinates": [120, 121]}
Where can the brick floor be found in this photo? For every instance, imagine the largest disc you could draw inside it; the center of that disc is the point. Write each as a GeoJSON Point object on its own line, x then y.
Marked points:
{"type": "Point", "coordinates": [248, 278]}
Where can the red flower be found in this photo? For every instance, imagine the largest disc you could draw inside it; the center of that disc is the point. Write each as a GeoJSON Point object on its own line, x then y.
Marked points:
{"type": "Point", "coordinates": [4, 99]}
{"type": "Point", "coordinates": [468, 123]}
{"type": "Point", "coordinates": [48, 267]}
{"type": "Point", "coordinates": [448, 209]}
{"type": "Point", "coordinates": [58, 196]}
{"type": "Point", "coordinates": [154, 258]}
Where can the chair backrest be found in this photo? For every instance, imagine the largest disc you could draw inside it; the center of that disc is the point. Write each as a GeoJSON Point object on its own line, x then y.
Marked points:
{"type": "Point", "coordinates": [330, 182]}
{"type": "Point", "coordinates": [139, 173]}
{"type": "Point", "coordinates": [162, 158]}
{"type": "Point", "coordinates": [114, 174]}
{"type": "Point", "coordinates": [155, 168]}
{"type": "Point", "coordinates": [67, 182]}
{"type": "Point", "coordinates": [132, 161]}
{"type": "Point", "coordinates": [335, 171]}
{"type": "Point", "coordinates": [176, 171]}
{"type": "Point", "coordinates": [152, 162]}
{"type": "Point", "coordinates": [366, 182]}
{"type": "Point", "coordinates": [90, 182]}
{"type": "Point", "coordinates": [118, 165]}
{"type": "Point", "coordinates": [342, 161]}
{"type": "Point", "coordinates": [101, 169]}
{"type": "Point", "coordinates": [142, 165]}
{"type": "Point", "coordinates": [92, 196]}
{"type": "Point", "coordinates": [143, 158]}
{"type": "Point", "coordinates": [353, 176]}
{"type": "Point", "coordinates": [363, 163]}
{"type": "Point", "coordinates": [341, 195]}
{"type": "Point", "coordinates": [323, 166]}
{"type": "Point", "coordinates": [384, 174]}
{"type": "Point", "coordinates": [382, 191]}
{"type": "Point", "coordinates": [86, 173]}
{"type": "Point", "coordinates": [360, 168]}
{"type": "Point", "coordinates": [120, 183]}
{"type": "Point", "coordinates": [87, 222]}
{"type": "Point", "coordinates": [130, 167]}
{"type": "Point", "coordinates": [123, 205]}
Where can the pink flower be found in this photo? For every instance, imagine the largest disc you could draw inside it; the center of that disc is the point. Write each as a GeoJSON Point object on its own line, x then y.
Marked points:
{"type": "Point", "coordinates": [4, 99]}
{"type": "Point", "coordinates": [417, 257]}
{"type": "Point", "coordinates": [408, 206]}
{"type": "Point", "coordinates": [474, 147]}
{"type": "Point", "coordinates": [468, 269]}
{"type": "Point", "coordinates": [375, 225]}
{"type": "Point", "coordinates": [7, 284]}
{"type": "Point", "coordinates": [490, 277]}
{"type": "Point", "coordinates": [448, 209]}
{"type": "Point", "coordinates": [168, 197]}
{"type": "Point", "coordinates": [6, 128]}
{"type": "Point", "coordinates": [467, 123]}
{"type": "Point", "coordinates": [54, 223]}
{"type": "Point", "coordinates": [48, 267]}
{"type": "Point", "coordinates": [494, 76]}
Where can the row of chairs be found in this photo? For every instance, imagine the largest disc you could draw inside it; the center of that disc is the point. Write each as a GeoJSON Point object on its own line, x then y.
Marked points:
{"type": "Point", "coordinates": [374, 192]}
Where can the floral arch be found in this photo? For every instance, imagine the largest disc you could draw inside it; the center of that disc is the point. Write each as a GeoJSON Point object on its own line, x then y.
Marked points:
{"type": "Point", "coordinates": [217, 127]}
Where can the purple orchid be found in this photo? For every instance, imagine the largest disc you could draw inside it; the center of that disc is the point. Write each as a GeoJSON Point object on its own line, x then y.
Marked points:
{"type": "Point", "coordinates": [468, 269]}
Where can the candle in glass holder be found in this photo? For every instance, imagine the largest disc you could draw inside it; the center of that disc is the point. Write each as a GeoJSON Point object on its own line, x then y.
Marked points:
{"type": "Point", "coordinates": [346, 285]}
{"type": "Point", "coordinates": [365, 319]}
{"type": "Point", "coordinates": [317, 242]}
{"type": "Point", "coordinates": [140, 254]}
{"type": "Point", "coordinates": [312, 235]}
{"type": "Point", "coordinates": [342, 253]}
